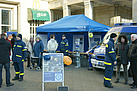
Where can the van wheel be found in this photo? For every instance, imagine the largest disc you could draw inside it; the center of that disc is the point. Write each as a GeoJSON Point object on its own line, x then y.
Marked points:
{"type": "Point", "coordinates": [130, 72]}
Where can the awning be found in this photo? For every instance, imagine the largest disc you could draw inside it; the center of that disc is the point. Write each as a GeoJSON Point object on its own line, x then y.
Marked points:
{"type": "Point", "coordinates": [74, 23]}
{"type": "Point", "coordinates": [36, 14]}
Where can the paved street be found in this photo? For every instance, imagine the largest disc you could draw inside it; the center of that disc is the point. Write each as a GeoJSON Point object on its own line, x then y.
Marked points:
{"type": "Point", "coordinates": [76, 79]}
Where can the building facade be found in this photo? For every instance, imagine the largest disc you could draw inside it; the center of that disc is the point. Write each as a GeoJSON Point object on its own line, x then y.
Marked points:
{"type": "Point", "coordinates": [25, 15]}
{"type": "Point", "coordinates": [103, 11]}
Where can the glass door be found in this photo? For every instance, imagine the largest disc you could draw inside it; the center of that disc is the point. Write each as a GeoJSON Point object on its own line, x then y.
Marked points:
{"type": "Point", "coordinates": [80, 39]}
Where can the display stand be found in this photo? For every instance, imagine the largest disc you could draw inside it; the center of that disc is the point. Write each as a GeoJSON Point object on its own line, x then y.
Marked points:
{"type": "Point", "coordinates": [52, 69]}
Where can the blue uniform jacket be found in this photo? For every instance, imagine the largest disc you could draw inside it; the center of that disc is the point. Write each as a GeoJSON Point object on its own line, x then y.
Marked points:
{"type": "Point", "coordinates": [110, 55]}
{"type": "Point", "coordinates": [64, 45]}
{"type": "Point", "coordinates": [38, 47]}
{"type": "Point", "coordinates": [19, 51]}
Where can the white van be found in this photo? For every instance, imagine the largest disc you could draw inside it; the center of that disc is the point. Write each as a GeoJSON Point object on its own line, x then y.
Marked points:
{"type": "Point", "coordinates": [98, 55]}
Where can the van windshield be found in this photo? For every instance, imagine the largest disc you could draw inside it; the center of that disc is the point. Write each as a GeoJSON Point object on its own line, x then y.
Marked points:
{"type": "Point", "coordinates": [107, 36]}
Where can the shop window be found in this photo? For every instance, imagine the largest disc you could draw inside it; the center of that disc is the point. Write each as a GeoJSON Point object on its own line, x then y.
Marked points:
{"type": "Point", "coordinates": [5, 20]}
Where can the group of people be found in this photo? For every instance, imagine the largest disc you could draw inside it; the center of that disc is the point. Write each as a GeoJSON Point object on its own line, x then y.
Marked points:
{"type": "Point", "coordinates": [20, 53]}
{"type": "Point", "coordinates": [18, 56]}
{"type": "Point", "coordinates": [52, 45]}
{"type": "Point", "coordinates": [119, 55]}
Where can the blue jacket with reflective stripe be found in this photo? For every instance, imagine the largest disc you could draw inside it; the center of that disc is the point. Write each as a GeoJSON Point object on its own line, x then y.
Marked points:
{"type": "Point", "coordinates": [64, 45]}
{"type": "Point", "coordinates": [19, 51]}
{"type": "Point", "coordinates": [38, 47]}
{"type": "Point", "coordinates": [110, 55]}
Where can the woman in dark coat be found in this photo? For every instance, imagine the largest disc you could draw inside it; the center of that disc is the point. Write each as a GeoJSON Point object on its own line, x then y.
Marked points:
{"type": "Point", "coordinates": [122, 57]}
{"type": "Point", "coordinates": [38, 49]}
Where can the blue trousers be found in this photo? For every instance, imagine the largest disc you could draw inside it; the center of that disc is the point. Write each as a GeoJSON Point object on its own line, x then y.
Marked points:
{"type": "Point", "coordinates": [90, 64]}
{"type": "Point", "coordinates": [108, 75]}
{"type": "Point", "coordinates": [19, 69]}
{"type": "Point", "coordinates": [7, 69]}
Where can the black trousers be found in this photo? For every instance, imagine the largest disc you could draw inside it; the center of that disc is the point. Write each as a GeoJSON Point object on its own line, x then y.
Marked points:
{"type": "Point", "coordinates": [7, 69]}
{"type": "Point", "coordinates": [125, 72]}
{"type": "Point", "coordinates": [28, 61]}
{"type": "Point", "coordinates": [134, 71]}
{"type": "Point", "coordinates": [28, 57]}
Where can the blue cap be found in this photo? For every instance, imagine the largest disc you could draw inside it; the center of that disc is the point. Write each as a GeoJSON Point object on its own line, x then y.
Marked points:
{"type": "Point", "coordinates": [19, 35]}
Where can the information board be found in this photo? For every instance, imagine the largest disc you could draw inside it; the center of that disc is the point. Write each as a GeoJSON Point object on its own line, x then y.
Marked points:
{"type": "Point", "coordinates": [53, 69]}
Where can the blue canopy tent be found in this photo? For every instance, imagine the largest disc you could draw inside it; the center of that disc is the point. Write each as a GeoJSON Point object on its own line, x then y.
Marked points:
{"type": "Point", "coordinates": [73, 25]}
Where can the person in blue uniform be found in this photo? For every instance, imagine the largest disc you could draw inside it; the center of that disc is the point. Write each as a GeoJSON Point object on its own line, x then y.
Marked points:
{"type": "Point", "coordinates": [110, 60]}
{"type": "Point", "coordinates": [64, 45]}
{"type": "Point", "coordinates": [90, 68]}
{"type": "Point", "coordinates": [18, 57]}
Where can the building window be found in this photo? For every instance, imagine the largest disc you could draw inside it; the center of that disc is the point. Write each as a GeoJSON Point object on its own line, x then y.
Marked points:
{"type": "Point", "coordinates": [5, 20]}
{"type": "Point", "coordinates": [33, 25]}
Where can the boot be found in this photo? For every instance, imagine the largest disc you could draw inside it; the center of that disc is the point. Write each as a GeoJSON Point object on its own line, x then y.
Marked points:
{"type": "Point", "coordinates": [126, 83]}
{"type": "Point", "coordinates": [10, 84]}
{"type": "Point", "coordinates": [15, 78]}
{"type": "Point", "coordinates": [109, 86]}
{"type": "Point", "coordinates": [117, 81]}
{"type": "Point", "coordinates": [20, 79]}
{"type": "Point", "coordinates": [90, 69]}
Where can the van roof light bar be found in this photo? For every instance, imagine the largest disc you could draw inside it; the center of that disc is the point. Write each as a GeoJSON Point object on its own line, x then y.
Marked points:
{"type": "Point", "coordinates": [125, 24]}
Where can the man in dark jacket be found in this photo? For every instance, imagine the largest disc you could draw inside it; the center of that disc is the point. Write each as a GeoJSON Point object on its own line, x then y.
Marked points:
{"type": "Point", "coordinates": [64, 45]}
{"type": "Point", "coordinates": [132, 55]}
{"type": "Point", "coordinates": [5, 59]}
{"type": "Point", "coordinates": [18, 57]}
{"type": "Point", "coordinates": [110, 60]}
